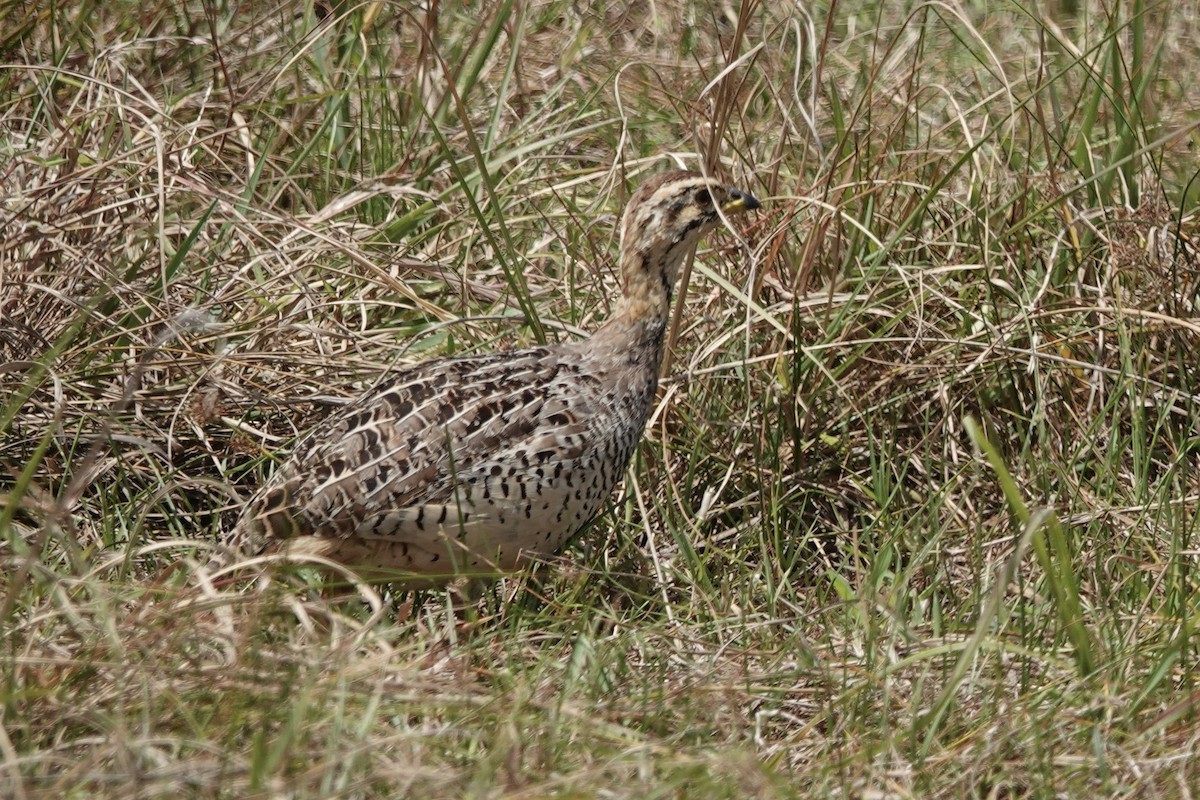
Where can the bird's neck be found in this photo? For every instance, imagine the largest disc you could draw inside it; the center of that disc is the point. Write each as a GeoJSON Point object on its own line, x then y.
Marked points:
{"type": "Point", "coordinates": [637, 328]}
{"type": "Point", "coordinates": [647, 281]}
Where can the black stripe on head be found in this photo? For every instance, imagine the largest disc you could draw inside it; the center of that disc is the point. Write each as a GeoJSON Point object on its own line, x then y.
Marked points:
{"type": "Point", "coordinates": [691, 226]}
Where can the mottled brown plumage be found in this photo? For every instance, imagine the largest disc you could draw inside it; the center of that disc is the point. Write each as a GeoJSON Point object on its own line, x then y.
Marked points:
{"type": "Point", "coordinates": [474, 465]}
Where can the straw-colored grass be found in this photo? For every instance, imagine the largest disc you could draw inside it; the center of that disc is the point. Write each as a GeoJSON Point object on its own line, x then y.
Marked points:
{"type": "Point", "coordinates": [915, 515]}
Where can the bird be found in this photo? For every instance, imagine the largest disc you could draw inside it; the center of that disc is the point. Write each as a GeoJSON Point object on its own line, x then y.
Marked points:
{"type": "Point", "coordinates": [478, 465]}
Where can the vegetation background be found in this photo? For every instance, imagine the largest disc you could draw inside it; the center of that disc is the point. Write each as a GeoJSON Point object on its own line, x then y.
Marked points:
{"type": "Point", "coordinates": [917, 515]}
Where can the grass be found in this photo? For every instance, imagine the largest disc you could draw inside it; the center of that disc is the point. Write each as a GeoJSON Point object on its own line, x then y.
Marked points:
{"type": "Point", "coordinates": [916, 515]}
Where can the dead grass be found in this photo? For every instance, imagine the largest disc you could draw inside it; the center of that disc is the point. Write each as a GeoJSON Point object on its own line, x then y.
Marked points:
{"type": "Point", "coordinates": [217, 222]}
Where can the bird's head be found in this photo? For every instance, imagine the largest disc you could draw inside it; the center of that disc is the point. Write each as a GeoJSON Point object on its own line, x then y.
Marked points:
{"type": "Point", "coordinates": [663, 221]}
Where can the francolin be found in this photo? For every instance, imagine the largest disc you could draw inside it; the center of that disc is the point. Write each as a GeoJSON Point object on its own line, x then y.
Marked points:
{"type": "Point", "coordinates": [475, 465]}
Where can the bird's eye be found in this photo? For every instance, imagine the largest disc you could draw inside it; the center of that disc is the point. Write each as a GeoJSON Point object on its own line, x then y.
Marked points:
{"type": "Point", "coordinates": [703, 197]}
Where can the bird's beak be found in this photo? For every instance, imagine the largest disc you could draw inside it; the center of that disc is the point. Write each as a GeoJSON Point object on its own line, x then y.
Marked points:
{"type": "Point", "coordinates": [740, 201]}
